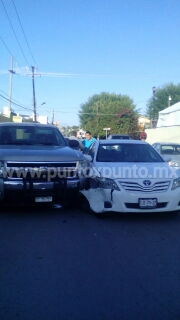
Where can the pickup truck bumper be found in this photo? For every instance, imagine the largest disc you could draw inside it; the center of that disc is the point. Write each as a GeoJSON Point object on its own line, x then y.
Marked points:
{"type": "Point", "coordinates": [22, 191]}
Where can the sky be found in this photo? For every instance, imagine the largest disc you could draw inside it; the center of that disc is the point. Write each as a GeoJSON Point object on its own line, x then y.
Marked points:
{"type": "Point", "coordinates": [115, 46]}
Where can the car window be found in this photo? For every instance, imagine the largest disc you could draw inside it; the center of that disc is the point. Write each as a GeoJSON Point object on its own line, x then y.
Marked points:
{"type": "Point", "coordinates": [127, 153]}
{"type": "Point", "coordinates": [156, 146]}
{"type": "Point", "coordinates": [170, 149]}
{"type": "Point", "coordinates": [90, 151]}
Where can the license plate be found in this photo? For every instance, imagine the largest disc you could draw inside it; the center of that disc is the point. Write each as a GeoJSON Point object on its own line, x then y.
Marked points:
{"type": "Point", "coordinates": [147, 203]}
{"type": "Point", "coordinates": [43, 199]}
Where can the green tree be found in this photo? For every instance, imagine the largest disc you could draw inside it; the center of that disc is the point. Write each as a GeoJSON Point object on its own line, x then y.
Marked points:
{"type": "Point", "coordinates": [107, 110]}
{"type": "Point", "coordinates": [76, 128]}
{"type": "Point", "coordinates": [28, 120]}
{"type": "Point", "coordinates": [159, 100]}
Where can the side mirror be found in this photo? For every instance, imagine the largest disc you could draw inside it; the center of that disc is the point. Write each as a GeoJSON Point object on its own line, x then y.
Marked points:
{"type": "Point", "coordinates": [73, 143]}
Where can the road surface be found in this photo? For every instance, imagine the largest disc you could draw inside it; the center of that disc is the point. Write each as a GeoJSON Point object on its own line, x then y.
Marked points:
{"type": "Point", "coordinates": [63, 264]}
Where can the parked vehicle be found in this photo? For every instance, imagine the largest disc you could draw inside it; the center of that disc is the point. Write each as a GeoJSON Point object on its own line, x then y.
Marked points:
{"type": "Point", "coordinates": [37, 165]}
{"type": "Point", "coordinates": [118, 136]}
{"type": "Point", "coordinates": [169, 149]}
{"type": "Point", "coordinates": [130, 176]}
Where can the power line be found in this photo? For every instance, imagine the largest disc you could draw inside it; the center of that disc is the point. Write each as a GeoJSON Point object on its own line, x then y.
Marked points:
{"type": "Point", "coordinates": [23, 32]}
{"type": "Point", "coordinates": [14, 32]}
{"type": "Point", "coordinates": [15, 103]}
{"type": "Point", "coordinates": [14, 99]}
{"type": "Point", "coordinates": [10, 54]}
{"type": "Point", "coordinates": [26, 71]}
{"type": "Point", "coordinates": [6, 46]}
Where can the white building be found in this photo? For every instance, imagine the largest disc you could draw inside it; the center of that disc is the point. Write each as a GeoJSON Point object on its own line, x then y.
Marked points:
{"type": "Point", "coordinates": [169, 116]}
{"type": "Point", "coordinates": [42, 119]}
{"type": "Point", "coordinates": [81, 133]}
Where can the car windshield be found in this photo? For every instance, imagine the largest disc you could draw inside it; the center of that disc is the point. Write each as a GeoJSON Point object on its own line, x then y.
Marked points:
{"type": "Point", "coordinates": [170, 149]}
{"type": "Point", "coordinates": [134, 152]}
{"type": "Point", "coordinates": [30, 135]}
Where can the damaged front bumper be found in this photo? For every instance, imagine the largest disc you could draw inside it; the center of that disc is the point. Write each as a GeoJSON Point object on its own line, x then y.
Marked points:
{"type": "Point", "coordinates": [106, 200]}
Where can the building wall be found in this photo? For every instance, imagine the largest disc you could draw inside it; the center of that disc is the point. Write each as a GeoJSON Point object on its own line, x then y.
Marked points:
{"type": "Point", "coordinates": [42, 119]}
{"type": "Point", "coordinates": [4, 119]}
{"type": "Point", "coordinates": [143, 122]}
{"type": "Point", "coordinates": [163, 134]}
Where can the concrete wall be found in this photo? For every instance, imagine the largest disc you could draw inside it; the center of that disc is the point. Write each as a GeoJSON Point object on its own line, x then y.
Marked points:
{"type": "Point", "coordinates": [163, 134]}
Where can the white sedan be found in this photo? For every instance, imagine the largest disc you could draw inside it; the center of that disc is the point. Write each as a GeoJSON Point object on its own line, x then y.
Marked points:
{"type": "Point", "coordinates": [130, 176]}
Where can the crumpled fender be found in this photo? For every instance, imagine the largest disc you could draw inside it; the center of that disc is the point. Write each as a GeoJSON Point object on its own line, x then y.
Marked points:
{"type": "Point", "coordinates": [95, 198]}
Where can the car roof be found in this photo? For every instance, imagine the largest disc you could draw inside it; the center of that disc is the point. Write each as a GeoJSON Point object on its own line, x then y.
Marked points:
{"type": "Point", "coordinates": [121, 141]}
{"type": "Point", "coordinates": [34, 124]}
{"type": "Point", "coordinates": [119, 134]}
{"type": "Point", "coordinates": [167, 143]}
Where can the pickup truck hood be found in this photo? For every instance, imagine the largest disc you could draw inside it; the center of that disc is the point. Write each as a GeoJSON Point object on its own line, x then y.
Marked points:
{"type": "Point", "coordinates": [39, 153]}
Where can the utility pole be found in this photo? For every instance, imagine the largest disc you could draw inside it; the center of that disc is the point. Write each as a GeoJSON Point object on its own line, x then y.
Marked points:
{"type": "Point", "coordinates": [97, 113]}
{"type": "Point", "coordinates": [169, 101]}
{"type": "Point", "coordinates": [53, 117]}
{"type": "Point", "coordinates": [10, 87]}
{"type": "Point", "coordinates": [34, 98]}
{"type": "Point", "coordinates": [154, 92]}
{"type": "Point", "coordinates": [153, 119]}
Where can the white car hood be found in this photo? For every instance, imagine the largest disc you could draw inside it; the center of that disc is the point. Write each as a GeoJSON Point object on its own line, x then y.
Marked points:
{"type": "Point", "coordinates": [142, 170]}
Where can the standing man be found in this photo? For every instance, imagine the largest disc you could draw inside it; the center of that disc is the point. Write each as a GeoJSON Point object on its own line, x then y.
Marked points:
{"type": "Point", "coordinates": [88, 140]}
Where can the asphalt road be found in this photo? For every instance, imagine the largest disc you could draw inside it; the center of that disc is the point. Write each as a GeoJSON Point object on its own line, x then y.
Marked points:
{"type": "Point", "coordinates": [58, 264]}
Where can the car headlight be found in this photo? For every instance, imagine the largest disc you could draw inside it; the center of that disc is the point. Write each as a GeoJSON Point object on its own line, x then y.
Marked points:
{"type": "Point", "coordinates": [83, 168]}
{"type": "Point", "coordinates": [1, 168]}
{"type": "Point", "coordinates": [173, 164]}
{"type": "Point", "coordinates": [105, 183]}
{"type": "Point", "coordinates": [82, 164]}
{"type": "Point", "coordinates": [176, 184]}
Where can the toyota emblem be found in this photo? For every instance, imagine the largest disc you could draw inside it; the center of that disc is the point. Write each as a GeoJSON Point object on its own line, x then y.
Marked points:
{"type": "Point", "coordinates": [147, 183]}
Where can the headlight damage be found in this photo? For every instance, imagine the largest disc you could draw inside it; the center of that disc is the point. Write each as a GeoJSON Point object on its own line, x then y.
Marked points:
{"type": "Point", "coordinates": [107, 184]}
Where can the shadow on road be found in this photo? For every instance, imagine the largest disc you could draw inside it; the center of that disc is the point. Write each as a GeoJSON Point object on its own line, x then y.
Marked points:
{"type": "Point", "coordinates": [51, 210]}
{"type": "Point", "coordinates": [139, 217]}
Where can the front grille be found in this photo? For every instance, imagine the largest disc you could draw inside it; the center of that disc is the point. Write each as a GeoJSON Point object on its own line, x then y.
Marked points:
{"type": "Point", "coordinates": [136, 187]}
{"type": "Point", "coordinates": [30, 189]}
{"type": "Point", "coordinates": [40, 170]}
{"type": "Point", "coordinates": [136, 205]}
{"type": "Point", "coordinates": [35, 164]}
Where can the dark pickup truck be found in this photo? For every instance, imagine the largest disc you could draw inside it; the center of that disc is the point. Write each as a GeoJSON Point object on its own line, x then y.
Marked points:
{"type": "Point", "coordinates": [37, 165]}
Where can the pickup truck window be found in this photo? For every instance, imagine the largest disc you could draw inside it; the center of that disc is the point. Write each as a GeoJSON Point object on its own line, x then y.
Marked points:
{"type": "Point", "coordinates": [19, 135]}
